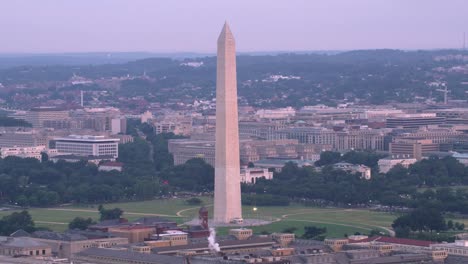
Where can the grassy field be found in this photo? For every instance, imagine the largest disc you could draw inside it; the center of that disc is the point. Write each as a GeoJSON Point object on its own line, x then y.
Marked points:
{"type": "Point", "coordinates": [337, 221]}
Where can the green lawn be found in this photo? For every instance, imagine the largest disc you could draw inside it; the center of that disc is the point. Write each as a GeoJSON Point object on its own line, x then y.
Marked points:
{"type": "Point", "coordinates": [337, 221]}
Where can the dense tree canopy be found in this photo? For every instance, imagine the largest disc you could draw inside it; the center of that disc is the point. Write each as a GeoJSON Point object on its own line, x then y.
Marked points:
{"type": "Point", "coordinates": [15, 221]}
{"type": "Point", "coordinates": [109, 214]}
{"type": "Point", "coordinates": [80, 223]}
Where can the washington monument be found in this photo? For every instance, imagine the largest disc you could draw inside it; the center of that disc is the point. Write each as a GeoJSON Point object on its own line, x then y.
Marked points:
{"type": "Point", "coordinates": [227, 198]}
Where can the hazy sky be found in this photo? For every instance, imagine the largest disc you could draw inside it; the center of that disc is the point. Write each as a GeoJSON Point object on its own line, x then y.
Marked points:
{"type": "Point", "coordinates": [258, 25]}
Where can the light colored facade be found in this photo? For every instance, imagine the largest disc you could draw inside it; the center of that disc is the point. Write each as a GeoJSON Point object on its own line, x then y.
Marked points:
{"type": "Point", "coordinates": [250, 175]}
{"type": "Point", "coordinates": [176, 237]}
{"type": "Point", "coordinates": [98, 119]}
{"type": "Point", "coordinates": [22, 139]}
{"type": "Point", "coordinates": [380, 114]}
{"type": "Point", "coordinates": [227, 196]}
{"type": "Point", "coordinates": [250, 150]}
{"type": "Point", "coordinates": [124, 138]}
{"type": "Point", "coordinates": [309, 135]}
{"type": "Point", "coordinates": [413, 147]}
{"type": "Point", "coordinates": [261, 129]}
{"type": "Point", "coordinates": [110, 166]}
{"type": "Point", "coordinates": [37, 116]}
{"type": "Point", "coordinates": [134, 234]}
{"type": "Point", "coordinates": [458, 248]}
{"type": "Point", "coordinates": [284, 239]}
{"type": "Point", "coordinates": [179, 125]}
{"type": "Point", "coordinates": [22, 152]}
{"type": "Point", "coordinates": [88, 146]}
{"type": "Point", "coordinates": [146, 116]}
{"type": "Point", "coordinates": [241, 233]}
{"type": "Point", "coordinates": [67, 248]}
{"type": "Point", "coordinates": [356, 139]}
{"type": "Point", "coordinates": [23, 246]}
{"type": "Point", "coordinates": [321, 113]}
{"type": "Point", "coordinates": [118, 126]}
{"type": "Point", "coordinates": [354, 168]}
{"type": "Point", "coordinates": [414, 120]}
{"type": "Point", "coordinates": [462, 158]}
{"type": "Point", "coordinates": [437, 135]}
{"type": "Point", "coordinates": [362, 139]}
{"type": "Point", "coordinates": [386, 164]}
{"type": "Point", "coordinates": [278, 113]}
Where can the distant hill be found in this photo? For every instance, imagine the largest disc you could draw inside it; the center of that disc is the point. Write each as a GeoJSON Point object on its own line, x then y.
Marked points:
{"type": "Point", "coordinates": [287, 79]}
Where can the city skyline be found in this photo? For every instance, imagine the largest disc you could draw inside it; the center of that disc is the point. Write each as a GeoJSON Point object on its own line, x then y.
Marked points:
{"type": "Point", "coordinates": [154, 26]}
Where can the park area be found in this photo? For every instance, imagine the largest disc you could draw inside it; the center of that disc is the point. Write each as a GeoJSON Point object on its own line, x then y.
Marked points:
{"type": "Point", "coordinates": [338, 221]}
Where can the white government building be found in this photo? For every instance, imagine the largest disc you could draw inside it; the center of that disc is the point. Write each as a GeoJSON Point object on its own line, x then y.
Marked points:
{"type": "Point", "coordinates": [22, 152]}
{"type": "Point", "coordinates": [386, 164]}
{"type": "Point", "coordinates": [88, 146]}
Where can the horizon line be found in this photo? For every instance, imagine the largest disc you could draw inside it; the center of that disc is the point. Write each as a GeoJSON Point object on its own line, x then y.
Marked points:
{"type": "Point", "coordinates": [214, 52]}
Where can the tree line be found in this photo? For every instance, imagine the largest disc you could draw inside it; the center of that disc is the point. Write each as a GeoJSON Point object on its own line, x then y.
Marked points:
{"type": "Point", "coordinates": [149, 172]}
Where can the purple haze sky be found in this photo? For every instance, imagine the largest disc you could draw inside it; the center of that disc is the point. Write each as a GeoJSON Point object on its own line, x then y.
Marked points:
{"type": "Point", "coordinates": [258, 25]}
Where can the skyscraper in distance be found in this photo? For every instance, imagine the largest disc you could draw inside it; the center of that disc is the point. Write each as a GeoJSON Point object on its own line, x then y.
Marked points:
{"type": "Point", "coordinates": [227, 198]}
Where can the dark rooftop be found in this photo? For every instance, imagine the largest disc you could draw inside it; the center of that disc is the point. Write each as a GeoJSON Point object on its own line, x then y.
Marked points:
{"type": "Point", "coordinates": [222, 245]}
{"type": "Point", "coordinates": [133, 256]}
{"type": "Point", "coordinates": [23, 242]}
{"type": "Point", "coordinates": [20, 233]}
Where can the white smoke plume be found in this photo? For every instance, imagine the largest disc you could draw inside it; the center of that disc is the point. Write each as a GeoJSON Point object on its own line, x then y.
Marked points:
{"type": "Point", "coordinates": [212, 245]}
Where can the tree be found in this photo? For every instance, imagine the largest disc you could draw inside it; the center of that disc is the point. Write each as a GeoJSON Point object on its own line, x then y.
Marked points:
{"type": "Point", "coordinates": [16, 221]}
{"type": "Point", "coordinates": [313, 232]}
{"type": "Point", "coordinates": [421, 219]}
{"type": "Point", "coordinates": [328, 158]}
{"type": "Point", "coordinates": [81, 223]}
{"type": "Point", "coordinates": [194, 201]}
{"type": "Point", "coordinates": [459, 226]}
{"type": "Point", "coordinates": [109, 214]}
{"type": "Point", "coordinates": [44, 157]}
{"type": "Point", "coordinates": [290, 230]}
{"type": "Point", "coordinates": [450, 224]}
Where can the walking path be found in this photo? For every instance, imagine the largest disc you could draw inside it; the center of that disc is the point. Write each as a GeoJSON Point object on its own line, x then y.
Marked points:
{"type": "Point", "coordinates": [179, 213]}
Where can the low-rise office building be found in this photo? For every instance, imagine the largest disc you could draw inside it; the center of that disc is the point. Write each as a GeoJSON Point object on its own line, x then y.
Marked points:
{"type": "Point", "coordinates": [413, 147]}
{"type": "Point", "coordinates": [250, 175]}
{"type": "Point", "coordinates": [386, 164]}
{"type": "Point", "coordinates": [88, 145]}
{"type": "Point", "coordinates": [22, 152]}
{"type": "Point", "coordinates": [363, 170]}
{"type": "Point", "coordinates": [65, 245]}
{"type": "Point", "coordinates": [23, 247]}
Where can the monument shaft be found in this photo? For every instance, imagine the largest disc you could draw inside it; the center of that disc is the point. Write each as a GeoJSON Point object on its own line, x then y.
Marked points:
{"type": "Point", "coordinates": [227, 203]}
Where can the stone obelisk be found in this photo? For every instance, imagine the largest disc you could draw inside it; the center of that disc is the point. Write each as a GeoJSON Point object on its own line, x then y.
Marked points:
{"type": "Point", "coordinates": [227, 198]}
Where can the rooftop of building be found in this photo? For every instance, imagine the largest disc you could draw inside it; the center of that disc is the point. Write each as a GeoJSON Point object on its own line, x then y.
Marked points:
{"type": "Point", "coordinates": [398, 157]}
{"type": "Point", "coordinates": [281, 162]}
{"type": "Point", "coordinates": [71, 235]}
{"type": "Point", "coordinates": [76, 157]}
{"type": "Point", "coordinates": [460, 155]}
{"type": "Point", "coordinates": [47, 108]}
{"type": "Point", "coordinates": [112, 164]}
{"type": "Point", "coordinates": [152, 220]}
{"type": "Point", "coordinates": [394, 240]}
{"type": "Point", "coordinates": [131, 256]}
{"type": "Point", "coordinates": [252, 241]}
{"type": "Point", "coordinates": [20, 233]}
{"type": "Point", "coordinates": [21, 242]}
{"type": "Point", "coordinates": [87, 138]}
{"type": "Point", "coordinates": [132, 227]}
{"type": "Point", "coordinates": [111, 222]}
